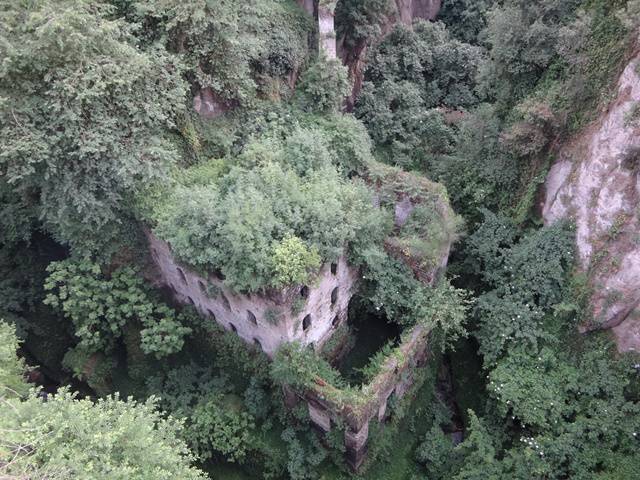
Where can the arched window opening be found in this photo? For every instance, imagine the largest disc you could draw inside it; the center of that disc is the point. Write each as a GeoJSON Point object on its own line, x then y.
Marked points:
{"type": "Point", "coordinates": [304, 291]}
{"type": "Point", "coordinates": [334, 296]}
{"type": "Point", "coordinates": [251, 317]}
{"type": "Point", "coordinates": [182, 276]}
{"type": "Point", "coordinates": [211, 314]}
{"type": "Point", "coordinates": [336, 321]}
{"type": "Point", "coordinates": [233, 328]}
{"type": "Point", "coordinates": [202, 286]}
{"type": "Point", "coordinates": [225, 301]}
{"type": "Point", "coordinates": [334, 268]}
{"type": "Point", "coordinates": [306, 322]}
{"type": "Point", "coordinates": [257, 343]}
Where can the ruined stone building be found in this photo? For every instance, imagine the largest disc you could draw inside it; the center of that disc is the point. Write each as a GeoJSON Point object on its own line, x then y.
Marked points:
{"type": "Point", "coordinates": [308, 314]}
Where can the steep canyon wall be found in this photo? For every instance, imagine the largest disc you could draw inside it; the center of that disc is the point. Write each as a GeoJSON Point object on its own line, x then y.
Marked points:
{"type": "Point", "coordinates": [595, 182]}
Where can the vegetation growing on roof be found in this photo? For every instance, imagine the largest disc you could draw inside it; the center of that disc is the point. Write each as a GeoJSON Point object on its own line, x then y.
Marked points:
{"type": "Point", "coordinates": [238, 225]}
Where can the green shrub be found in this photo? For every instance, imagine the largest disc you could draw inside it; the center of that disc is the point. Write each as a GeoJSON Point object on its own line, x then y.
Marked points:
{"type": "Point", "coordinates": [12, 367]}
{"type": "Point", "coordinates": [324, 85]}
{"type": "Point", "coordinates": [74, 69]}
{"type": "Point", "coordinates": [238, 225]}
{"type": "Point", "coordinates": [236, 49]}
{"type": "Point", "coordinates": [100, 305]}
{"type": "Point", "coordinates": [293, 262]}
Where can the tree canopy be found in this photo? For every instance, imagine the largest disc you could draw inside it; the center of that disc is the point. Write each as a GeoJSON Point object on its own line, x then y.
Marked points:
{"type": "Point", "coordinates": [84, 114]}
{"type": "Point", "coordinates": [62, 436]}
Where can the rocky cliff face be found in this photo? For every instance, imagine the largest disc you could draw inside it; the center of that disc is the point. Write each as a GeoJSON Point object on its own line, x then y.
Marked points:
{"type": "Point", "coordinates": [595, 182]}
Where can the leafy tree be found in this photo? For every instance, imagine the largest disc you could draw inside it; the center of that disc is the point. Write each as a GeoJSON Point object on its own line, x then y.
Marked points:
{"type": "Point", "coordinates": [233, 48]}
{"type": "Point", "coordinates": [522, 37]}
{"type": "Point", "coordinates": [84, 115]}
{"type": "Point", "coordinates": [360, 21]}
{"type": "Point", "coordinates": [293, 261]}
{"type": "Point", "coordinates": [466, 19]}
{"type": "Point", "coordinates": [216, 424]}
{"type": "Point", "coordinates": [410, 75]}
{"type": "Point", "coordinates": [18, 215]}
{"type": "Point", "coordinates": [324, 85]}
{"type": "Point", "coordinates": [67, 437]}
{"type": "Point", "coordinates": [222, 430]}
{"type": "Point", "coordinates": [479, 452]}
{"type": "Point", "coordinates": [99, 306]}
{"type": "Point", "coordinates": [12, 368]}
{"type": "Point", "coordinates": [436, 453]}
{"type": "Point", "coordinates": [480, 172]}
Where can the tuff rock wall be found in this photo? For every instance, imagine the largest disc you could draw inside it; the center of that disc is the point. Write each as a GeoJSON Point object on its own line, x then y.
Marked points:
{"type": "Point", "coordinates": [595, 182]}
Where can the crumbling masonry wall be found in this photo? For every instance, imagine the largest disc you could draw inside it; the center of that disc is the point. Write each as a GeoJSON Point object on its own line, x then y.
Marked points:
{"type": "Point", "coordinates": [327, 404]}
{"type": "Point", "coordinates": [305, 313]}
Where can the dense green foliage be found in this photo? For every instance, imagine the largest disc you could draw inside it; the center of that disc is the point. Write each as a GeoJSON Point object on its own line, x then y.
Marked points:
{"type": "Point", "coordinates": [242, 222]}
{"type": "Point", "coordinates": [324, 85]}
{"type": "Point", "coordinates": [525, 279]}
{"type": "Point", "coordinates": [67, 437]}
{"type": "Point", "coordinates": [12, 368]}
{"type": "Point", "coordinates": [83, 114]}
{"type": "Point", "coordinates": [99, 307]}
{"type": "Point", "coordinates": [410, 77]}
{"type": "Point", "coordinates": [360, 21]}
{"type": "Point", "coordinates": [238, 227]}
{"type": "Point", "coordinates": [215, 422]}
{"type": "Point", "coordinates": [466, 19]}
{"type": "Point", "coordinates": [99, 140]}
{"type": "Point", "coordinates": [558, 407]}
{"type": "Point", "coordinates": [238, 49]}
{"type": "Point", "coordinates": [481, 172]}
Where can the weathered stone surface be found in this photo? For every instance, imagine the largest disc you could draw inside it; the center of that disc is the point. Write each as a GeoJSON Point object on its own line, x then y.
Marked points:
{"type": "Point", "coordinates": [395, 378]}
{"type": "Point", "coordinates": [319, 416]}
{"type": "Point", "coordinates": [265, 319]}
{"type": "Point", "coordinates": [355, 440]}
{"type": "Point", "coordinates": [307, 5]}
{"type": "Point", "coordinates": [403, 209]}
{"type": "Point", "coordinates": [404, 385]}
{"type": "Point", "coordinates": [595, 182]}
{"type": "Point", "coordinates": [327, 32]}
{"type": "Point", "coordinates": [408, 10]}
{"type": "Point", "coordinates": [209, 105]}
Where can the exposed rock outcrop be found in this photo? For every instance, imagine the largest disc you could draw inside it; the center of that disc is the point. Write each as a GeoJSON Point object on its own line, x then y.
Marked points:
{"type": "Point", "coordinates": [408, 10]}
{"type": "Point", "coordinates": [210, 105]}
{"type": "Point", "coordinates": [596, 182]}
{"type": "Point", "coordinates": [326, 30]}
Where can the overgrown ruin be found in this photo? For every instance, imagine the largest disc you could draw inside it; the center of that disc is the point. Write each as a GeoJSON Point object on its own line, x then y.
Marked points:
{"type": "Point", "coordinates": [309, 314]}
{"type": "Point", "coordinates": [304, 313]}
